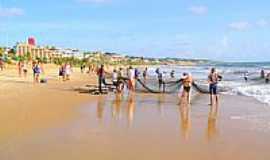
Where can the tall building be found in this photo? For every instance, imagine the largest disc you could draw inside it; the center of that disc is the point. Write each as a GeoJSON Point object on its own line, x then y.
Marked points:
{"type": "Point", "coordinates": [32, 41]}
{"type": "Point", "coordinates": [36, 51]}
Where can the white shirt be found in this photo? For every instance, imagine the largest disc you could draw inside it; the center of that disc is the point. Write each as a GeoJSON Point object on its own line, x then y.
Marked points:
{"type": "Point", "coordinates": [114, 76]}
{"type": "Point", "coordinates": [131, 74]}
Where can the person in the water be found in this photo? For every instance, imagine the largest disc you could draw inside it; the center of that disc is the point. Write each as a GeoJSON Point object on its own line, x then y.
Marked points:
{"type": "Point", "coordinates": [246, 77]}
{"type": "Point", "coordinates": [267, 78]}
{"type": "Point", "coordinates": [172, 73]}
{"type": "Point", "coordinates": [262, 74]}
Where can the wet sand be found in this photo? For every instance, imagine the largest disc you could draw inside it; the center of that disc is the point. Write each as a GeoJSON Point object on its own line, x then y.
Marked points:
{"type": "Point", "coordinates": [51, 122]}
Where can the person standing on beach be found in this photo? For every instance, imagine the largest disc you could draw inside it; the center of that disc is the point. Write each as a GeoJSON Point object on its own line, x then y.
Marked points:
{"type": "Point", "coordinates": [115, 78]}
{"type": "Point", "coordinates": [68, 70]}
{"type": "Point", "coordinates": [137, 73]}
{"type": "Point", "coordinates": [213, 79]}
{"type": "Point", "coordinates": [131, 77]}
{"type": "Point", "coordinates": [120, 73]}
{"type": "Point", "coordinates": [37, 72]}
{"type": "Point", "coordinates": [20, 66]}
{"type": "Point", "coordinates": [145, 74]}
{"type": "Point", "coordinates": [101, 78]}
{"type": "Point", "coordinates": [24, 68]}
{"type": "Point", "coordinates": [187, 83]}
{"type": "Point", "coordinates": [61, 72]}
{"type": "Point", "coordinates": [160, 80]}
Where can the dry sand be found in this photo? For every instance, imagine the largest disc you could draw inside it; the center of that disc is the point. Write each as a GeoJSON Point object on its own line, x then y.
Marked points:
{"type": "Point", "coordinates": [52, 122]}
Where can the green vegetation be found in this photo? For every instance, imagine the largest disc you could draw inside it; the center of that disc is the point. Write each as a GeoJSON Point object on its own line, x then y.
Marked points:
{"type": "Point", "coordinates": [97, 58]}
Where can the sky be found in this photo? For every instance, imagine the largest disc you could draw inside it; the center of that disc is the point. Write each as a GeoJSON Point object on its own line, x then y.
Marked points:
{"type": "Point", "coordinates": [226, 30]}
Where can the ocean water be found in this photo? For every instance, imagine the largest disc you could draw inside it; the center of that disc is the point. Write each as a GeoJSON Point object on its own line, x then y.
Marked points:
{"type": "Point", "coordinates": [233, 77]}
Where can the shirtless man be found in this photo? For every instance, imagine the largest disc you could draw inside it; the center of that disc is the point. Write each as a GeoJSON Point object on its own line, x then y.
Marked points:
{"type": "Point", "coordinates": [213, 79]}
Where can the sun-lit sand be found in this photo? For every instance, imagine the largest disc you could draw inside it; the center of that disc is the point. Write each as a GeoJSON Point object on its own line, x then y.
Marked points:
{"type": "Point", "coordinates": [53, 122]}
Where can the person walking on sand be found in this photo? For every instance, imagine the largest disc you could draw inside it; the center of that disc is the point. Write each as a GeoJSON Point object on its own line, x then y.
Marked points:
{"type": "Point", "coordinates": [101, 78]}
{"type": "Point", "coordinates": [213, 79]}
{"type": "Point", "coordinates": [186, 91]}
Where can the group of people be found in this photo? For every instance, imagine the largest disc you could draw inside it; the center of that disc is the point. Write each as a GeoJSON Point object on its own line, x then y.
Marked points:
{"type": "Point", "coordinates": [132, 74]}
{"type": "Point", "coordinates": [263, 75]}
{"type": "Point", "coordinates": [36, 68]}
{"type": "Point", "coordinates": [65, 71]}
{"type": "Point", "coordinates": [118, 76]}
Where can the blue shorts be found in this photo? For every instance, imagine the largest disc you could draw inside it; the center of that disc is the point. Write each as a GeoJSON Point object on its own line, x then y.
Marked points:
{"type": "Point", "coordinates": [213, 89]}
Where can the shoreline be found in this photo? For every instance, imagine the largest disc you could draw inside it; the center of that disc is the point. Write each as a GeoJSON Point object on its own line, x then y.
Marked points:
{"type": "Point", "coordinates": [50, 121]}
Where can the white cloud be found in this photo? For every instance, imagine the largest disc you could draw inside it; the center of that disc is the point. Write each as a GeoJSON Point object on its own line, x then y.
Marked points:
{"type": "Point", "coordinates": [11, 12]}
{"type": "Point", "coordinates": [262, 23]}
{"type": "Point", "coordinates": [198, 10]}
{"type": "Point", "coordinates": [240, 26]}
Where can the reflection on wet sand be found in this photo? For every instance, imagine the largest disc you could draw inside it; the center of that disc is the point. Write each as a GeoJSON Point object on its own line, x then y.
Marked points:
{"type": "Point", "coordinates": [100, 107]}
{"type": "Point", "coordinates": [212, 130]}
{"type": "Point", "coordinates": [185, 120]}
{"type": "Point", "coordinates": [116, 106]}
{"type": "Point", "coordinates": [131, 108]}
{"type": "Point", "coordinates": [160, 102]}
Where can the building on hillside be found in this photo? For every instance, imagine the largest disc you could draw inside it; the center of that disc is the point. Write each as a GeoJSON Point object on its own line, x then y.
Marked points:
{"type": "Point", "coordinates": [23, 49]}
{"type": "Point", "coordinates": [114, 57]}
{"type": "Point", "coordinates": [68, 53]}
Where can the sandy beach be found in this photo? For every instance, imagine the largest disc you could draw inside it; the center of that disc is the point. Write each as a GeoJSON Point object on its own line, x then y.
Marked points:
{"type": "Point", "coordinates": [53, 122]}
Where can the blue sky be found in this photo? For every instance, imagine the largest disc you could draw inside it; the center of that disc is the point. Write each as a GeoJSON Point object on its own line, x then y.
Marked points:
{"type": "Point", "coordinates": [220, 30]}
